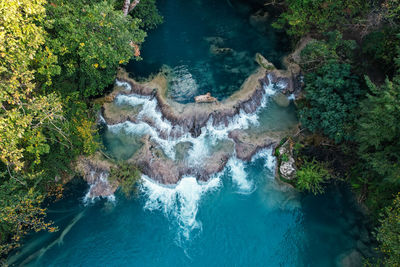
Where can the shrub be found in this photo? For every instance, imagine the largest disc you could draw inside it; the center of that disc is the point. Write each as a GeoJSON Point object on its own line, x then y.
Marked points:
{"type": "Point", "coordinates": [128, 177]}
{"type": "Point", "coordinates": [311, 176]}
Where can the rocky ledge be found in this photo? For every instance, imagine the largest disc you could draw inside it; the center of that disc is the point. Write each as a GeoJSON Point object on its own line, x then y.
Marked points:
{"type": "Point", "coordinates": [95, 171]}
{"type": "Point", "coordinates": [190, 118]}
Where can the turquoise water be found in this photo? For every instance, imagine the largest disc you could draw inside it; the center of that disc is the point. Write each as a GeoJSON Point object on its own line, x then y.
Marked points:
{"type": "Point", "coordinates": [268, 227]}
{"type": "Point", "coordinates": [243, 216]}
{"type": "Point", "coordinates": [191, 30]}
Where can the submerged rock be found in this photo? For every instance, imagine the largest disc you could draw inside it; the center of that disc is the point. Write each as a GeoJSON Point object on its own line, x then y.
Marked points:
{"type": "Point", "coordinates": [215, 40]}
{"type": "Point", "coordinates": [350, 259]}
{"type": "Point", "coordinates": [281, 100]}
{"type": "Point", "coordinates": [218, 51]}
{"type": "Point", "coordinates": [259, 20]}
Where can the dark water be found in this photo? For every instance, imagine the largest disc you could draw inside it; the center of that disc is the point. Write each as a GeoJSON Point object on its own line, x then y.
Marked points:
{"type": "Point", "coordinates": [192, 30]}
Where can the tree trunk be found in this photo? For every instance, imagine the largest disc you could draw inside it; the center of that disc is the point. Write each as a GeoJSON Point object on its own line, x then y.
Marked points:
{"type": "Point", "coordinates": [125, 7]}
{"type": "Point", "coordinates": [133, 5]}
{"type": "Point", "coordinates": [128, 6]}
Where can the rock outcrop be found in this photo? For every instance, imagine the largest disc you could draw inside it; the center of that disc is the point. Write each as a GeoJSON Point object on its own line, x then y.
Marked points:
{"type": "Point", "coordinates": [247, 145]}
{"type": "Point", "coordinates": [152, 161]}
{"type": "Point", "coordinates": [207, 98]}
{"type": "Point", "coordinates": [192, 118]}
{"type": "Point", "coordinates": [287, 167]}
{"type": "Point", "coordinates": [95, 171]}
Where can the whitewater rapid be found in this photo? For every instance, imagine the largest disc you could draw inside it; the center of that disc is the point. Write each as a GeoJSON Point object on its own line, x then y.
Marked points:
{"type": "Point", "coordinates": [180, 203]}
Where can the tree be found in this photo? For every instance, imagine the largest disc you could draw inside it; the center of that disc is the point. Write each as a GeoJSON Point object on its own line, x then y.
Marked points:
{"type": "Point", "coordinates": [148, 14]}
{"type": "Point", "coordinates": [90, 39]}
{"type": "Point", "coordinates": [304, 16]}
{"type": "Point", "coordinates": [128, 6]}
{"type": "Point", "coordinates": [24, 114]}
{"type": "Point", "coordinates": [128, 177]}
{"type": "Point", "coordinates": [388, 234]}
{"type": "Point", "coordinates": [332, 93]}
{"type": "Point", "coordinates": [379, 130]}
{"type": "Point", "coordinates": [331, 48]}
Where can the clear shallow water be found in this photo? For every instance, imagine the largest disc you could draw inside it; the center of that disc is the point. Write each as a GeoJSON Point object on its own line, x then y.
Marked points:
{"type": "Point", "coordinates": [189, 40]}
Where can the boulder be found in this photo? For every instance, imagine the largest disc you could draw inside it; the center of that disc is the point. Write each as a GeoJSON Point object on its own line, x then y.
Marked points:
{"type": "Point", "coordinates": [207, 98]}
{"type": "Point", "coordinates": [288, 169]}
{"type": "Point", "coordinates": [263, 62]}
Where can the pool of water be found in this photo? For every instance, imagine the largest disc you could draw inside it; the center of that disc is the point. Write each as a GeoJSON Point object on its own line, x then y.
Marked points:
{"type": "Point", "coordinates": [208, 46]}
{"type": "Point", "coordinates": [214, 224]}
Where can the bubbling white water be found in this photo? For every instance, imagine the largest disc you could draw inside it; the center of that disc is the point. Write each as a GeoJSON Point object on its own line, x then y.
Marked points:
{"type": "Point", "coordinates": [161, 128]}
{"type": "Point", "coordinates": [181, 201]}
{"type": "Point", "coordinates": [239, 176]}
{"type": "Point", "coordinates": [266, 154]}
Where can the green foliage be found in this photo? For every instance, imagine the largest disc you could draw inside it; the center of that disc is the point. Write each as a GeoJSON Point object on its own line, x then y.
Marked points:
{"type": "Point", "coordinates": [332, 94]}
{"type": "Point", "coordinates": [380, 48]}
{"type": "Point", "coordinates": [311, 176]}
{"type": "Point", "coordinates": [388, 234]}
{"type": "Point", "coordinates": [285, 158]}
{"type": "Point", "coordinates": [90, 39]}
{"type": "Point", "coordinates": [306, 16]}
{"type": "Point", "coordinates": [128, 177]}
{"type": "Point", "coordinates": [379, 130]}
{"type": "Point", "coordinates": [148, 14]}
{"type": "Point", "coordinates": [333, 48]}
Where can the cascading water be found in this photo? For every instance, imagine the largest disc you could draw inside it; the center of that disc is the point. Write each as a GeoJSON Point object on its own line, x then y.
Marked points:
{"type": "Point", "coordinates": [180, 202]}
{"type": "Point", "coordinates": [240, 216]}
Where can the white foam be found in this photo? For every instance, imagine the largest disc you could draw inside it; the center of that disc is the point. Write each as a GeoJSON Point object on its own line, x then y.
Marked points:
{"type": "Point", "coordinates": [160, 130]}
{"type": "Point", "coordinates": [88, 198]}
{"type": "Point", "coordinates": [181, 201]}
{"type": "Point", "coordinates": [267, 155]}
{"type": "Point", "coordinates": [239, 175]}
{"type": "Point", "coordinates": [126, 85]}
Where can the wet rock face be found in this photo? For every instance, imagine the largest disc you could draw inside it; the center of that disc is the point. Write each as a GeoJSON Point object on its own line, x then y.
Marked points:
{"type": "Point", "coordinates": [192, 118]}
{"type": "Point", "coordinates": [95, 171]}
{"type": "Point", "coordinates": [246, 146]}
{"type": "Point", "coordinates": [153, 163]}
